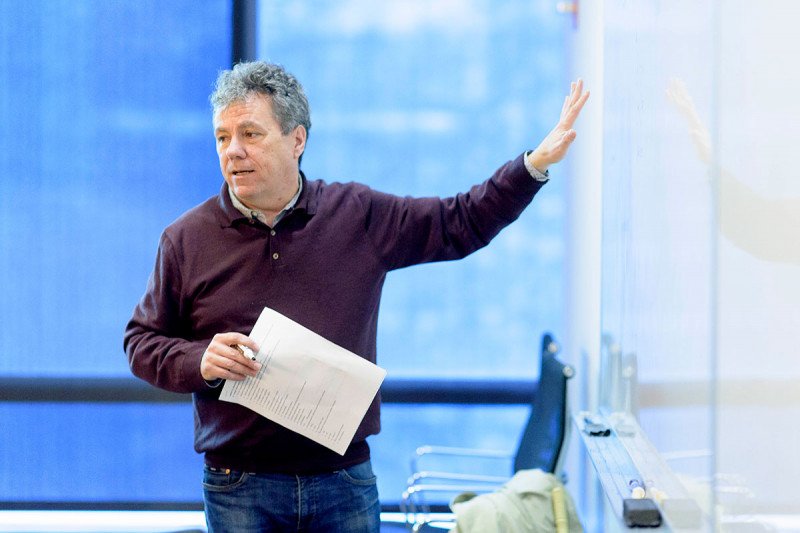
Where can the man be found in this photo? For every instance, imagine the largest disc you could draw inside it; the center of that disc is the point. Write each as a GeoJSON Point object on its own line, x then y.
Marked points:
{"type": "Point", "coordinates": [317, 253]}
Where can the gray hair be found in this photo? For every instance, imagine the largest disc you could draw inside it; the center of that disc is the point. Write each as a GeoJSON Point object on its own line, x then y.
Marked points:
{"type": "Point", "coordinates": [289, 102]}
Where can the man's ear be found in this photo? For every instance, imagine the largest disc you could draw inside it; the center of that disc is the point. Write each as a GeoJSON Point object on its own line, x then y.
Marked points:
{"type": "Point", "coordinates": [300, 136]}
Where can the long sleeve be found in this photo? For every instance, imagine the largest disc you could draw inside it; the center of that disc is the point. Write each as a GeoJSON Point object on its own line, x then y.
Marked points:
{"type": "Point", "coordinates": [408, 231]}
{"type": "Point", "coordinates": [155, 339]}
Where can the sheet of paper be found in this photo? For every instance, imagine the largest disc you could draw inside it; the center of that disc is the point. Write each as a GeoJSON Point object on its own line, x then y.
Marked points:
{"type": "Point", "coordinates": [306, 383]}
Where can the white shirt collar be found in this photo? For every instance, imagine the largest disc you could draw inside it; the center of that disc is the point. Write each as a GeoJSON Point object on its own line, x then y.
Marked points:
{"type": "Point", "coordinates": [259, 215]}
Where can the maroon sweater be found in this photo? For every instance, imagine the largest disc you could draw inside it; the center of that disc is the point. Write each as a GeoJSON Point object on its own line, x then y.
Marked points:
{"type": "Point", "coordinates": [323, 266]}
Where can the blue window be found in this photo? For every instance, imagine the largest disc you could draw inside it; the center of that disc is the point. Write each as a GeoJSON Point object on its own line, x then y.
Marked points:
{"type": "Point", "coordinates": [428, 98]}
{"type": "Point", "coordinates": [106, 130]}
{"type": "Point", "coordinates": [107, 138]}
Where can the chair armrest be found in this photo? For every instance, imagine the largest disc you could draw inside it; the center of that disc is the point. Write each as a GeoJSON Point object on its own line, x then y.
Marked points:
{"type": "Point", "coordinates": [426, 475]}
{"type": "Point", "coordinates": [453, 451]}
{"type": "Point", "coordinates": [418, 489]}
{"type": "Point", "coordinates": [408, 502]}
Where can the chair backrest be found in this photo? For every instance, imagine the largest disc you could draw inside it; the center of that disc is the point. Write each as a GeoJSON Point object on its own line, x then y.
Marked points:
{"type": "Point", "coordinates": [543, 441]}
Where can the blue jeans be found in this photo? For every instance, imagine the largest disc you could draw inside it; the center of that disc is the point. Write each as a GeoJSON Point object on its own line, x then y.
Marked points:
{"type": "Point", "coordinates": [345, 501]}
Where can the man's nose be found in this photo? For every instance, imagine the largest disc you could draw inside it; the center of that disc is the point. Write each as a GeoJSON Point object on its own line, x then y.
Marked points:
{"type": "Point", "coordinates": [235, 149]}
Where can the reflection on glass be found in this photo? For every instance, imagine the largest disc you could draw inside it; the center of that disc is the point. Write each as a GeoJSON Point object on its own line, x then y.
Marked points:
{"type": "Point", "coordinates": [701, 246]}
{"type": "Point", "coordinates": [658, 263]}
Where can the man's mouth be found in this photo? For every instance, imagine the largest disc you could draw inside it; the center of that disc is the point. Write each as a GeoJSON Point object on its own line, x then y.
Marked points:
{"type": "Point", "coordinates": [241, 172]}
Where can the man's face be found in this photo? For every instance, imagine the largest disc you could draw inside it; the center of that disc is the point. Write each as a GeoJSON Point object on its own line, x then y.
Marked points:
{"type": "Point", "coordinates": [258, 162]}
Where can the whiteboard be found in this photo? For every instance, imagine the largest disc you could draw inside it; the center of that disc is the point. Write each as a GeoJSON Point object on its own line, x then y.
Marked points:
{"type": "Point", "coordinates": [700, 242]}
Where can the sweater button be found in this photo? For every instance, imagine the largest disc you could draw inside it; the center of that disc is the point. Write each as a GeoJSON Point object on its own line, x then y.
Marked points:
{"type": "Point", "coordinates": [275, 255]}
{"type": "Point", "coordinates": [272, 232]}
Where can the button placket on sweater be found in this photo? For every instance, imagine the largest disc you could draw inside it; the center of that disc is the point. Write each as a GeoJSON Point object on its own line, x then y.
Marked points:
{"type": "Point", "coordinates": [273, 247]}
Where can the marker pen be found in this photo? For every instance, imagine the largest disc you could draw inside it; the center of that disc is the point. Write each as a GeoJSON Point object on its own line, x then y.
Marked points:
{"type": "Point", "coordinates": [244, 350]}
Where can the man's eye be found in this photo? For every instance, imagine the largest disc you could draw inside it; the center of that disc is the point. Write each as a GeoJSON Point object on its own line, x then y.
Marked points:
{"type": "Point", "coordinates": [221, 139]}
{"type": "Point", "coordinates": [251, 134]}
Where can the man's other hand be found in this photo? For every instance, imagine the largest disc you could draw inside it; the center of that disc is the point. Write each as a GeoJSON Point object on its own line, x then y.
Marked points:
{"type": "Point", "coordinates": [224, 360]}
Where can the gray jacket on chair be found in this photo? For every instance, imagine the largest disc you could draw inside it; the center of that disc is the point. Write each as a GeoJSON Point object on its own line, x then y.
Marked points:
{"type": "Point", "coordinates": [523, 505]}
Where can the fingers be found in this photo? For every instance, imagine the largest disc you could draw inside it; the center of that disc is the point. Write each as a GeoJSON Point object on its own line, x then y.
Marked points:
{"type": "Point", "coordinates": [573, 103]}
{"type": "Point", "coordinates": [224, 359]}
{"type": "Point", "coordinates": [236, 338]}
{"type": "Point", "coordinates": [555, 145]}
{"type": "Point", "coordinates": [575, 91]}
{"type": "Point", "coordinates": [567, 138]}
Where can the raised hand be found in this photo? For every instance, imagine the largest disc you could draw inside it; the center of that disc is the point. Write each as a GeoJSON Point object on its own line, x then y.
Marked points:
{"type": "Point", "coordinates": [555, 146]}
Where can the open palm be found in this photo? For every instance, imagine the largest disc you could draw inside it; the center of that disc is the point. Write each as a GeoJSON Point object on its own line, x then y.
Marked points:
{"type": "Point", "coordinates": [556, 144]}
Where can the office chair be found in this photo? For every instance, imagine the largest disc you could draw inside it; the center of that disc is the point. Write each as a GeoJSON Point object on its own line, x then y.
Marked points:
{"type": "Point", "coordinates": [542, 446]}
